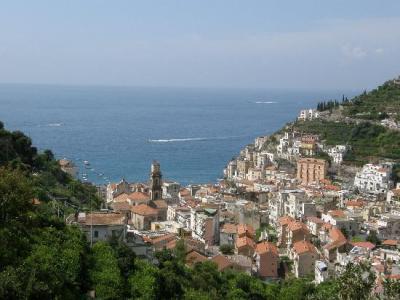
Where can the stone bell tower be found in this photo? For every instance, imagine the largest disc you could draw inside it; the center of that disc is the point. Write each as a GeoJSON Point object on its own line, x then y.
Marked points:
{"type": "Point", "coordinates": [155, 181]}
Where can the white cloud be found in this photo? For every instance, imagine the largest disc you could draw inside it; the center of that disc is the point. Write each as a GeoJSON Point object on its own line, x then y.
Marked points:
{"type": "Point", "coordinates": [379, 50]}
{"type": "Point", "coordinates": [354, 52]}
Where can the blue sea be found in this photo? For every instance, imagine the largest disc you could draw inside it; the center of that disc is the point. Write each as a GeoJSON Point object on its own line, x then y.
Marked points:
{"type": "Point", "coordinates": [192, 132]}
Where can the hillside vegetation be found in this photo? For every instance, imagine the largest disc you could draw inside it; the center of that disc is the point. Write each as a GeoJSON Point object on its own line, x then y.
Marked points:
{"type": "Point", "coordinates": [355, 123]}
{"type": "Point", "coordinates": [368, 142]}
{"type": "Point", "coordinates": [377, 104]}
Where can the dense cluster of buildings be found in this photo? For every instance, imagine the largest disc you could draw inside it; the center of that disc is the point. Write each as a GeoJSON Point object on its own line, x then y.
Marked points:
{"type": "Point", "coordinates": [265, 218]}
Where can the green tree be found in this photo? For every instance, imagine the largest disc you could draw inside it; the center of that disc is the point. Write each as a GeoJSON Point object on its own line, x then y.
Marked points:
{"type": "Point", "coordinates": [373, 238]}
{"type": "Point", "coordinates": [16, 196]}
{"type": "Point", "coordinates": [356, 282]}
{"type": "Point", "coordinates": [391, 289]}
{"type": "Point", "coordinates": [226, 249]}
{"type": "Point", "coordinates": [180, 250]}
{"type": "Point", "coordinates": [143, 282]}
{"type": "Point", "coordinates": [104, 272]}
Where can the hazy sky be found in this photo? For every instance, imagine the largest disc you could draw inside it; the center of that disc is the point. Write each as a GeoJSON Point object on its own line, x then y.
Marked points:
{"type": "Point", "coordinates": [225, 43]}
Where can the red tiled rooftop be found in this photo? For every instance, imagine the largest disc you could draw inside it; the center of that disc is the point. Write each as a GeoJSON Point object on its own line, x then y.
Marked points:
{"type": "Point", "coordinates": [222, 262]}
{"type": "Point", "coordinates": [355, 203]}
{"type": "Point", "coordinates": [245, 229]}
{"type": "Point", "coordinates": [143, 210]}
{"type": "Point", "coordinates": [304, 247]}
{"type": "Point", "coordinates": [121, 198]}
{"type": "Point", "coordinates": [390, 242]}
{"type": "Point", "coordinates": [244, 241]}
{"type": "Point", "coordinates": [139, 196]}
{"type": "Point", "coordinates": [337, 213]}
{"type": "Point", "coordinates": [264, 247]}
{"type": "Point", "coordinates": [160, 203]}
{"type": "Point", "coordinates": [103, 219]}
{"type": "Point", "coordinates": [367, 245]}
{"type": "Point", "coordinates": [229, 228]}
{"type": "Point", "coordinates": [336, 234]}
{"type": "Point", "coordinates": [163, 238]}
{"type": "Point", "coordinates": [194, 257]}
{"type": "Point", "coordinates": [296, 225]}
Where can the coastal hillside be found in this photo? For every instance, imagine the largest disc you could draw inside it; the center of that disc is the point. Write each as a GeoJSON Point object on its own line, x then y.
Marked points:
{"type": "Point", "coordinates": [52, 185]}
{"type": "Point", "coordinates": [367, 124]}
{"type": "Point", "coordinates": [378, 104]}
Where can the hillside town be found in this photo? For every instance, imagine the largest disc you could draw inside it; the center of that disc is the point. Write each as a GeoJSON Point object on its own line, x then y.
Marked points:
{"type": "Point", "coordinates": [287, 206]}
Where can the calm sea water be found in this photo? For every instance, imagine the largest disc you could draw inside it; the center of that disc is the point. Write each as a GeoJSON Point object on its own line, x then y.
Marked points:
{"type": "Point", "coordinates": [193, 133]}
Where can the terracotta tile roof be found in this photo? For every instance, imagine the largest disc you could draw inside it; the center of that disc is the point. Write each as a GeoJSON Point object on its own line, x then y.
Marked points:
{"type": "Point", "coordinates": [121, 198]}
{"type": "Point", "coordinates": [335, 234]}
{"type": "Point", "coordinates": [296, 225]}
{"type": "Point", "coordinates": [139, 196]}
{"type": "Point", "coordinates": [337, 239]}
{"type": "Point", "coordinates": [229, 228]}
{"type": "Point", "coordinates": [245, 229]}
{"type": "Point", "coordinates": [143, 210]}
{"type": "Point", "coordinates": [245, 241]}
{"type": "Point", "coordinates": [103, 219]}
{"type": "Point", "coordinates": [390, 242]}
{"type": "Point", "coordinates": [120, 206]}
{"type": "Point", "coordinates": [222, 262]}
{"type": "Point", "coordinates": [194, 257]}
{"type": "Point", "coordinates": [326, 226]}
{"type": "Point", "coordinates": [266, 247]}
{"type": "Point", "coordinates": [367, 245]}
{"type": "Point", "coordinates": [304, 247]}
{"type": "Point", "coordinates": [160, 203]}
{"type": "Point", "coordinates": [355, 203]}
{"type": "Point", "coordinates": [337, 213]}
{"type": "Point", "coordinates": [285, 220]}
{"type": "Point", "coordinates": [161, 239]}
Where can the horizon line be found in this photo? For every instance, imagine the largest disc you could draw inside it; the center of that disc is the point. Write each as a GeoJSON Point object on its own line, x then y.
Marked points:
{"type": "Point", "coordinates": [102, 85]}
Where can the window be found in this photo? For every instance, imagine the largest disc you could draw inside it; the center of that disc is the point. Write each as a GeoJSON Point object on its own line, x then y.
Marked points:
{"type": "Point", "coordinates": [96, 234]}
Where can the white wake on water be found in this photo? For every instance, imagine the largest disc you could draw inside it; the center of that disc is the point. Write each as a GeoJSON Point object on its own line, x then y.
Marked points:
{"type": "Point", "coordinates": [265, 102]}
{"type": "Point", "coordinates": [51, 125]}
{"type": "Point", "coordinates": [192, 139]}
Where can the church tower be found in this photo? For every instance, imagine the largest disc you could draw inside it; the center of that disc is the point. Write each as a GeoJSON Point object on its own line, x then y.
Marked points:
{"type": "Point", "coordinates": [155, 181]}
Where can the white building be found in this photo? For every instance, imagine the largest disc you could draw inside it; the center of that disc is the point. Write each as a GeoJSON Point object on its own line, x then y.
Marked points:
{"type": "Point", "coordinates": [231, 169]}
{"type": "Point", "coordinates": [308, 114]}
{"type": "Point", "coordinates": [170, 190]}
{"type": "Point", "coordinates": [321, 272]}
{"type": "Point", "coordinates": [100, 226]}
{"type": "Point", "coordinates": [337, 153]}
{"type": "Point", "coordinates": [374, 179]}
{"type": "Point", "coordinates": [204, 223]}
{"type": "Point", "coordinates": [260, 141]}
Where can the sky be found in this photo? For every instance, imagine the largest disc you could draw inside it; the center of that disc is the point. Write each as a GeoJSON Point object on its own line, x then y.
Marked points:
{"type": "Point", "coordinates": [308, 44]}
